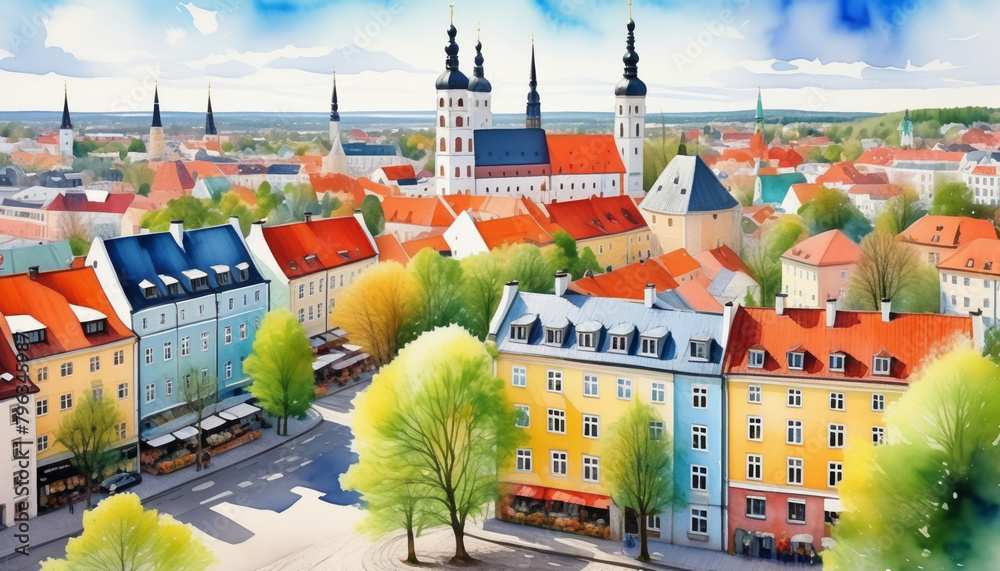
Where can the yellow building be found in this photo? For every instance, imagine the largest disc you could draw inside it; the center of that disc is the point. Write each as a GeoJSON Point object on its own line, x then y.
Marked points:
{"type": "Point", "coordinates": [804, 384]}
{"type": "Point", "coordinates": [611, 227]}
{"type": "Point", "coordinates": [77, 346]}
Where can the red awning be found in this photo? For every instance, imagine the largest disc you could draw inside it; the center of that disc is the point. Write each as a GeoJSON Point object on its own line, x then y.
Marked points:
{"type": "Point", "coordinates": [579, 498]}
{"type": "Point", "coordinates": [527, 491]}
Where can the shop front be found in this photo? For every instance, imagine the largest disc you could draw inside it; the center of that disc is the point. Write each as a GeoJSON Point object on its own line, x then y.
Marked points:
{"type": "Point", "coordinates": [59, 481]}
{"type": "Point", "coordinates": [561, 510]}
{"type": "Point", "coordinates": [786, 527]}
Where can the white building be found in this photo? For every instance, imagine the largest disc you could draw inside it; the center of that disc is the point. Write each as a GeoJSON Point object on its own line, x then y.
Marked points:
{"type": "Point", "coordinates": [970, 279]}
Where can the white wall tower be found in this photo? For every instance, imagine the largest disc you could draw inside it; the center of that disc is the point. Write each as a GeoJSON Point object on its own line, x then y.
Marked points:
{"type": "Point", "coordinates": [630, 115]}
{"type": "Point", "coordinates": [336, 160]}
{"type": "Point", "coordinates": [157, 148]}
{"type": "Point", "coordinates": [66, 128]}
{"type": "Point", "coordinates": [480, 94]}
{"type": "Point", "coordinates": [453, 159]}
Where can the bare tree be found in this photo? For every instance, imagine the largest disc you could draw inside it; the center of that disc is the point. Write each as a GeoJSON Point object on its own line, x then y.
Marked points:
{"type": "Point", "coordinates": [885, 269]}
{"type": "Point", "coordinates": [198, 391]}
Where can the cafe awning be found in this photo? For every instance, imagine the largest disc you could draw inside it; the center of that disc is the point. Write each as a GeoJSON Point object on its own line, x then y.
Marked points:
{"type": "Point", "coordinates": [348, 362]}
{"type": "Point", "coordinates": [832, 505]}
{"type": "Point", "coordinates": [579, 498]}
{"type": "Point", "coordinates": [186, 432]}
{"type": "Point", "coordinates": [527, 491]}
{"type": "Point", "coordinates": [239, 411]}
{"type": "Point", "coordinates": [157, 442]}
{"type": "Point", "coordinates": [324, 360]}
{"type": "Point", "coordinates": [212, 422]}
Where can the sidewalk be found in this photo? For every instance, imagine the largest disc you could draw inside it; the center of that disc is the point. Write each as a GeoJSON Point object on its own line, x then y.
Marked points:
{"type": "Point", "coordinates": [60, 523]}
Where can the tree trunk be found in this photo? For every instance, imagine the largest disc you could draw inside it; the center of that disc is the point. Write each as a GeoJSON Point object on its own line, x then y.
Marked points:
{"type": "Point", "coordinates": [461, 555]}
{"type": "Point", "coordinates": [89, 482]}
{"type": "Point", "coordinates": [643, 541]}
{"type": "Point", "coordinates": [197, 461]}
{"type": "Point", "coordinates": [411, 548]}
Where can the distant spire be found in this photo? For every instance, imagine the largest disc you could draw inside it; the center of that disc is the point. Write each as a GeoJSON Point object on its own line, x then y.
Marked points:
{"type": "Point", "coordinates": [630, 83]}
{"type": "Point", "coordinates": [334, 107]}
{"type": "Point", "coordinates": [66, 123]}
{"type": "Point", "coordinates": [451, 78]}
{"type": "Point", "coordinates": [759, 118]}
{"type": "Point", "coordinates": [533, 112]}
{"type": "Point", "coordinates": [209, 118]}
{"type": "Point", "coordinates": [156, 106]}
{"type": "Point", "coordinates": [906, 115]}
{"type": "Point", "coordinates": [478, 82]}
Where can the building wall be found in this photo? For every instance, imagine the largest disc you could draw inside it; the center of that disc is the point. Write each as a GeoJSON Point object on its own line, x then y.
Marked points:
{"type": "Point", "coordinates": [565, 187]}
{"type": "Point", "coordinates": [965, 292]}
{"type": "Point", "coordinates": [9, 497]}
{"type": "Point", "coordinates": [985, 188]}
{"type": "Point", "coordinates": [931, 254]}
{"type": "Point", "coordinates": [709, 230]}
{"type": "Point", "coordinates": [810, 286]}
{"type": "Point", "coordinates": [308, 302]}
{"type": "Point", "coordinates": [668, 231]}
{"type": "Point", "coordinates": [24, 222]}
{"type": "Point", "coordinates": [816, 415]}
{"type": "Point", "coordinates": [338, 279]}
{"type": "Point", "coordinates": [618, 250]}
{"type": "Point", "coordinates": [241, 310]}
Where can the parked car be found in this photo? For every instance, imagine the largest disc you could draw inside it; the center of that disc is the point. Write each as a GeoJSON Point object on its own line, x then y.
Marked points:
{"type": "Point", "coordinates": [119, 482]}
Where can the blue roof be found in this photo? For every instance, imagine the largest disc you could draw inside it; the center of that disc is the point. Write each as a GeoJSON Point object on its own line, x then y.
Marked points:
{"type": "Point", "coordinates": [683, 326]}
{"type": "Point", "coordinates": [774, 187]}
{"type": "Point", "coordinates": [687, 185]}
{"type": "Point", "coordinates": [147, 256]}
{"type": "Point", "coordinates": [364, 149]}
{"type": "Point", "coordinates": [509, 147]}
{"type": "Point", "coordinates": [283, 169]}
{"type": "Point", "coordinates": [20, 204]}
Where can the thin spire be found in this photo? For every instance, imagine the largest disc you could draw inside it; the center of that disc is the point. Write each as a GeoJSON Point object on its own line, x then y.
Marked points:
{"type": "Point", "coordinates": [630, 83]}
{"type": "Point", "coordinates": [452, 78]}
{"type": "Point", "coordinates": [334, 107]}
{"type": "Point", "coordinates": [209, 117]}
{"type": "Point", "coordinates": [533, 112]}
{"type": "Point", "coordinates": [452, 20]}
{"type": "Point", "coordinates": [66, 122]}
{"type": "Point", "coordinates": [759, 118]}
{"type": "Point", "coordinates": [156, 106]}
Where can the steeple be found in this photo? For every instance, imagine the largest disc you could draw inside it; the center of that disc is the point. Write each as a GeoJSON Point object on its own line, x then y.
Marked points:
{"type": "Point", "coordinates": [452, 78]}
{"type": "Point", "coordinates": [209, 118]}
{"type": "Point", "coordinates": [66, 123]}
{"type": "Point", "coordinates": [630, 83]}
{"type": "Point", "coordinates": [479, 83]}
{"type": "Point", "coordinates": [334, 107]}
{"type": "Point", "coordinates": [156, 106]}
{"type": "Point", "coordinates": [759, 118]}
{"type": "Point", "coordinates": [533, 112]}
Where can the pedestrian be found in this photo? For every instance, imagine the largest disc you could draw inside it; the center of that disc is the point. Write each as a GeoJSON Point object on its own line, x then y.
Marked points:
{"type": "Point", "coordinates": [783, 548]}
{"type": "Point", "coordinates": [71, 504]}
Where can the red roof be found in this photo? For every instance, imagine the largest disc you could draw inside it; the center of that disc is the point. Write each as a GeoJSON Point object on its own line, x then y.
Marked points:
{"type": "Point", "coordinates": [909, 338]}
{"type": "Point", "coordinates": [174, 177]}
{"type": "Point", "coordinates": [371, 187]}
{"type": "Point", "coordinates": [928, 155]}
{"type": "Point", "coordinates": [436, 242]}
{"type": "Point", "coordinates": [947, 231]}
{"type": "Point", "coordinates": [397, 172]}
{"type": "Point", "coordinates": [737, 155]}
{"type": "Point", "coordinates": [734, 136]}
{"type": "Point", "coordinates": [520, 229]}
{"type": "Point", "coordinates": [48, 301]}
{"type": "Point", "coordinates": [758, 148]}
{"type": "Point", "coordinates": [805, 191]}
{"type": "Point", "coordinates": [77, 202]}
{"type": "Point", "coordinates": [876, 191]}
{"type": "Point", "coordinates": [584, 154]}
{"type": "Point", "coordinates": [722, 257]}
{"type": "Point", "coordinates": [678, 263]}
{"type": "Point", "coordinates": [50, 139]}
{"type": "Point", "coordinates": [877, 156]}
{"type": "Point", "coordinates": [422, 211]}
{"type": "Point", "coordinates": [846, 173]}
{"type": "Point", "coordinates": [831, 248]}
{"type": "Point", "coordinates": [626, 282]}
{"type": "Point", "coordinates": [697, 296]}
{"type": "Point", "coordinates": [203, 169]}
{"type": "Point", "coordinates": [337, 184]}
{"type": "Point", "coordinates": [596, 216]}
{"type": "Point", "coordinates": [979, 256]}
{"type": "Point", "coordinates": [389, 248]}
{"type": "Point", "coordinates": [759, 213]}
{"type": "Point", "coordinates": [983, 169]}
{"type": "Point", "coordinates": [302, 248]}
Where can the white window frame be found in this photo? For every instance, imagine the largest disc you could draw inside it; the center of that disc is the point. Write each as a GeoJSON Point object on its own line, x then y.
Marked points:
{"type": "Point", "coordinates": [150, 392]}
{"type": "Point", "coordinates": [836, 435]}
{"type": "Point", "coordinates": [591, 386]}
{"type": "Point", "coordinates": [657, 392]}
{"type": "Point", "coordinates": [122, 391]}
{"type": "Point", "coordinates": [699, 475]}
{"type": "Point", "coordinates": [755, 466]}
{"type": "Point", "coordinates": [755, 424]}
{"type": "Point", "coordinates": [756, 359]}
{"type": "Point", "coordinates": [796, 360]}
{"type": "Point", "coordinates": [699, 397]}
{"type": "Point", "coordinates": [558, 459]}
{"type": "Point", "coordinates": [878, 402]}
{"type": "Point", "coordinates": [838, 399]}
{"type": "Point", "coordinates": [624, 388]}
{"type": "Point", "coordinates": [585, 340]}
{"type": "Point", "coordinates": [554, 381]}
{"type": "Point", "coordinates": [619, 344]}
{"type": "Point", "coordinates": [526, 416]}
{"type": "Point", "coordinates": [556, 421]}
{"type": "Point", "coordinates": [649, 347]}
{"type": "Point", "coordinates": [788, 514]}
{"type": "Point", "coordinates": [878, 435]}
{"type": "Point", "coordinates": [519, 376]}
{"type": "Point", "coordinates": [837, 362]}
{"type": "Point", "coordinates": [148, 356]}
{"type": "Point", "coordinates": [657, 429]}
{"type": "Point", "coordinates": [699, 437]}
{"type": "Point", "coordinates": [591, 469]}
{"type": "Point", "coordinates": [751, 501]}
{"type": "Point", "coordinates": [755, 391]}
{"type": "Point", "coordinates": [794, 466]}
{"type": "Point", "coordinates": [834, 469]}
{"type": "Point", "coordinates": [882, 365]}
{"type": "Point", "coordinates": [794, 398]}
{"type": "Point", "coordinates": [523, 459]}
{"type": "Point", "coordinates": [793, 431]}
{"type": "Point", "coordinates": [699, 516]}
{"type": "Point", "coordinates": [591, 425]}
{"type": "Point", "coordinates": [185, 346]}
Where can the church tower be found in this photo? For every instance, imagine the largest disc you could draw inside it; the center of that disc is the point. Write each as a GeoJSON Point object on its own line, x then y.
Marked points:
{"type": "Point", "coordinates": [758, 146]}
{"type": "Point", "coordinates": [211, 133]}
{"type": "Point", "coordinates": [453, 158]}
{"type": "Point", "coordinates": [905, 131]}
{"type": "Point", "coordinates": [480, 93]}
{"type": "Point", "coordinates": [533, 111]}
{"type": "Point", "coordinates": [66, 128]}
{"type": "Point", "coordinates": [157, 150]}
{"type": "Point", "coordinates": [336, 160]}
{"type": "Point", "coordinates": [630, 115]}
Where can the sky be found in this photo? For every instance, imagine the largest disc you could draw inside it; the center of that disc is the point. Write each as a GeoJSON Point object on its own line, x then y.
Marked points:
{"type": "Point", "coordinates": [709, 55]}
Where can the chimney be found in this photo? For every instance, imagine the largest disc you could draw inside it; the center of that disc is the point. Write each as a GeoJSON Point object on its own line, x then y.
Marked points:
{"type": "Point", "coordinates": [728, 314]}
{"type": "Point", "coordinates": [234, 221]}
{"type": "Point", "coordinates": [308, 217]}
{"type": "Point", "coordinates": [562, 282]}
{"type": "Point", "coordinates": [831, 312]}
{"type": "Point", "coordinates": [779, 303]}
{"type": "Point", "coordinates": [649, 295]}
{"type": "Point", "coordinates": [33, 273]}
{"type": "Point", "coordinates": [886, 310]}
{"type": "Point", "coordinates": [978, 330]}
{"type": "Point", "coordinates": [177, 231]}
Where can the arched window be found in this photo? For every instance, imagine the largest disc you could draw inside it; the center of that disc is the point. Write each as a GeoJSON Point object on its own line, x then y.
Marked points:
{"type": "Point", "coordinates": [441, 102]}
{"type": "Point", "coordinates": [470, 145]}
{"type": "Point", "coordinates": [477, 103]}
{"type": "Point", "coordinates": [459, 101]}
{"type": "Point", "coordinates": [458, 144]}
{"type": "Point", "coordinates": [458, 172]}
{"type": "Point", "coordinates": [621, 129]}
{"type": "Point", "coordinates": [441, 121]}
{"type": "Point", "coordinates": [619, 109]}
{"type": "Point", "coordinates": [458, 120]}
{"type": "Point", "coordinates": [442, 170]}
{"type": "Point", "coordinates": [468, 171]}
{"type": "Point", "coordinates": [443, 145]}
{"type": "Point", "coordinates": [450, 103]}
{"type": "Point", "coordinates": [486, 103]}
{"type": "Point", "coordinates": [637, 109]}
{"type": "Point", "coordinates": [636, 129]}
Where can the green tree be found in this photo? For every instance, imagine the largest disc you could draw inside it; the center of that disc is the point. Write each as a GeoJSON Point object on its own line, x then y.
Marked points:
{"type": "Point", "coordinates": [929, 495]}
{"type": "Point", "coordinates": [232, 205]}
{"type": "Point", "coordinates": [267, 201]}
{"type": "Point", "coordinates": [376, 308]}
{"type": "Point", "coordinates": [955, 199]}
{"type": "Point", "coordinates": [439, 409]}
{"type": "Point", "coordinates": [921, 293]}
{"type": "Point", "coordinates": [136, 146]}
{"type": "Point", "coordinates": [525, 263]}
{"type": "Point", "coordinates": [991, 347]}
{"type": "Point", "coordinates": [438, 300]}
{"type": "Point", "coordinates": [830, 209]}
{"type": "Point", "coordinates": [371, 211]}
{"type": "Point", "coordinates": [900, 212]}
{"type": "Point", "coordinates": [639, 465]}
{"type": "Point", "coordinates": [329, 204]}
{"type": "Point", "coordinates": [87, 432]}
{"type": "Point", "coordinates": [143, 189]}
{"type": "Point", "coordinates": [198, 391]}
{"type": "Point", "coordinates": [281, 368]}
{"type": "Point", "coordinates": [832, 153]}
{"type": "Point", "coordinates": [764, 257]}
{"type": "Point", "coordinates": [119, 534]}
{"type": "Point", "coordinates": [482, 289]}
{"type": "Point", "coordinates": [852, 150]}
{"type": "Point", "coordinates": [195, 212]}
{"type": "Point", "coordinates": [886, 269]}
{"type": "Point", "coordinates": [565, 256]}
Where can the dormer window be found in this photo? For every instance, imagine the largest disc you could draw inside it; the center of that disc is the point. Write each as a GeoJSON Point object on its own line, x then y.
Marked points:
{"type": "Point", "coordinates": [199, 283]}
{"type": "Point", "coordinates": [619, 343]}
{"type": "Point", "coordinates": [173, 287]}
{"type": "Point", "coordinates": [756, 359]}
{"type": "Point", "coordinates": [883, 362]}
{"type": "Point", "coordinates": [92, 327]}
{"type": "Point", "coordinates": [222, 274]}
{"type": "Point", "coordinates": [292, 265]}
{"type": "Point", "coordinates": [585, 340]}
{"type": "Point", "coordinates": [34, 336]}
{"type": "Point", "coordinates": [148, 289]}
{"type": "Point", "coordinates": [795, 360]}
{"type": "Point", "coordinates": [223, 277]}
{"type": "Point", "coordinates": [519, 332]}
{"type": "Point", "coordinates": [520, 328]}
{"type": "Point", "coordinates": [837, 360]}
{"type": "Point", "coordinates": [553, 336]}
{"type": "Point", "coordinates": [311, 259]}
{"type": "Point", "coordinates": [935, 238]}
{"type": "Point", "coordinates": [699, 350]}
{"type": "Point", "coordinates": [26, 328]}
{"type": "Point", "coordinates": [649, 347]}
{"type": "Point", "coordinates": [244, 271]}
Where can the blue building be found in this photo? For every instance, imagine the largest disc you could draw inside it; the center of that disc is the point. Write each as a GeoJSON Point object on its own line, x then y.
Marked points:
{"type": "Point", "coordinates": [194, 299]}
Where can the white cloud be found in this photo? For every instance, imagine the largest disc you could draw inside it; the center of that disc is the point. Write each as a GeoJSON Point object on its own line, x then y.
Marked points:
{"type": "Point", "coordinates": [105, 36]}
{"type": "Point", "coordinates": [175, 35]}
{"type": "Point", "coordinates": [204, 20]}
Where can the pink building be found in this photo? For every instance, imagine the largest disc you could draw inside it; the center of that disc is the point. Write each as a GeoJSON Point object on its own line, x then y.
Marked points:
{"type": "Point", "coordinates": [818, 269]}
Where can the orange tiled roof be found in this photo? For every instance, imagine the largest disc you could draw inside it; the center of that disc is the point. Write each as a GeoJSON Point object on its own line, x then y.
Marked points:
{"type": "Point", "coordinates": [369, 186]}
{"type": "Point", "coordinates": [909, 338]}
{"type": "Point", "coordinates": [334, 242]}
{"type": "Point", "coordinates": [398, 172]}
{"type": "Point", "coordinates": [927, 155]}
{"type": "Point", "coordinates": [520, 229]}
{"type": "Point", "coordinates": [846, 173]}
{"type": "Point", "coordinates": [389, 248]}
{"type": "Point", "coordinates": [596, 216]}
{"type": "Point", "coordinates": [486, 207]}
{"type": "Point", "coordinates": [50, 139]}
{"type": "Point", "coordinates": [626, 282]}
{"type": "Point", "coordinates": [697, 296]}
{"type": "Point", "coordinates": [678, 263]}
{"type": "Point", "coordinates": [876, 191]}
{"type": "Point", "coordinates": [980, 256]}
{"type": "Point", "coordinates": [722, 257]}
{"type": "Point", "coordinates": [172, 177]}
{"type": "Point", "coordinates": [831, 248]}
{"type": "Point", "coordinates": [35, 162]}
{"type": "Point", "coordinates": [436, 242]}
{"type": "Point", "coordinates": [246, 195]}
{"type": "Point", "coordinates": [759, 213]}
{"type": "Point", "coordinates": [947, 231]}
{"type": "Point", "coordinates": [584, 154]}
{"type": "Point", "coordinates": [804, 191]}
{"type": "Point", "coordinates": [48, 301]}
{"type": "Point", "coordinates": [429, 211]}
{"type": "Point", "coordinates": [986, 170]}
{"type": "Point", "coordinates": [203, 169]}
{"type": "Point", "coordinates": [338, 184]}
{"type": "Point", "coordinates": [877, 156]}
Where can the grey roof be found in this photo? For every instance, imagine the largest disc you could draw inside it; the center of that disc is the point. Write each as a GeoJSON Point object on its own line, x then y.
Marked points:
{"type": "Point", "coordinates": [682, 326]}
{"type": "Point", "coordinates": [687, 185]}
{"type": "Point", "coordinates": [53, 256]}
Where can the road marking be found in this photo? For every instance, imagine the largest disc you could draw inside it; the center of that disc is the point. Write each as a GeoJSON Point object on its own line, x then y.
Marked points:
{"type": "Point", "coordinates": [245, 484]}
{"type": "Point", "coordinates": [291, 458]}
{"type": "Point", "coordinates": [291, 469]}
{"type": "Point", "coordinates": [217, 497]}
{"type": "Point", "coordinates": [307, 462]}
{"type": "Point", "coordinates": [204, 486]}
{"type": "Point", "coordinates": [274, 477]}
{"type": "Point", "coordinates": [308, 440]}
